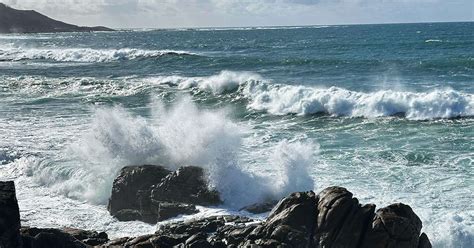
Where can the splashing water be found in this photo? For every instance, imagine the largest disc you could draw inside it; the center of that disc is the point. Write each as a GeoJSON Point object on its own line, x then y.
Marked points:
{"type": "Point", "coordinates": [175, 136]}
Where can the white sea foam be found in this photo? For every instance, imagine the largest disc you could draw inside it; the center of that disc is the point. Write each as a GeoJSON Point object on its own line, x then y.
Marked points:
{"type": "Point", "coordinates": [279, 99]}
{"type": "Point", "coordinates": [173, 137]}
{"type": "Point", "coordinates": [336, 101]}
{"type": "Point", "coordinates": [85, 55]}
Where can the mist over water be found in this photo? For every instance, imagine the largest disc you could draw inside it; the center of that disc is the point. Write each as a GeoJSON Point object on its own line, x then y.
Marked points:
{"type": "Point", "coordinates": [384, 110]}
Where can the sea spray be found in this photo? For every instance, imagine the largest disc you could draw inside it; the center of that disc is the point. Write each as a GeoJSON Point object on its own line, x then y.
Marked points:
{"type": "Point", "coordinates": [294, 161]}
{"type": "Point", "coordinates": [174, 136]}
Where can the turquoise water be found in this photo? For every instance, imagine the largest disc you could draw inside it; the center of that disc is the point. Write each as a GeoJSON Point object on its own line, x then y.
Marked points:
{"type": "Point", "coordinates": [384, 110]}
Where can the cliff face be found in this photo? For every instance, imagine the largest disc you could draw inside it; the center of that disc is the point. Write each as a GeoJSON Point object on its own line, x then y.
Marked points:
{"type": "Point", "coordinates": [30, 21]}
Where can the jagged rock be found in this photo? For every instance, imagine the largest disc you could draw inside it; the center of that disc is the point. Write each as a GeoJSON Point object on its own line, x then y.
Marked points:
{"type": "Point", "coordinates": [152, 193]}
{"type": "Point", "coordinates": [341, 220]}
{"type": "Point", "coordinates": [292, 221]}
{"type": "Point", "coordinates": [87, 237]}
{"type": "Point", "coordinates": [169, 210]}
{"type": "Point", "coordinates": [9, 216]}
{"type": "Point", "coordinates": [394, 226]}
{"type": "Point", "coordinates": [424, 242]}
{"type": "Point", "coordinates": [192, 233]}
{"type": "Point", "coordinates": [186, 185]}
{"type": "Point", "coordinates": [332, 218]}
{"type": "Point", "coordinates": [259, 208]}
{"type": "Point", "coordinates": [128, 215]}
{"type": "Point", "coordinates": [49, 237]}
{"type": "Point", "coordinates": [129, 182]}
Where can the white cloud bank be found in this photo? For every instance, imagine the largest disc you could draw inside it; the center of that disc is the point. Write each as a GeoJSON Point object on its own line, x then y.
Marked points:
{"type": "Point", "coordinates": [205, 13]}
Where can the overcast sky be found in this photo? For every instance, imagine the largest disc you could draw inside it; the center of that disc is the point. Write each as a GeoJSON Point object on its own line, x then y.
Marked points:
{"type": "Point", "coordinates": [218, 13]}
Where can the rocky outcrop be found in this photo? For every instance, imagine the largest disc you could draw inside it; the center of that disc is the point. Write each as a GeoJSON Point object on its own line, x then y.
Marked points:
{"type": "Point", "coordinates": [12, 235]}
{"type": "Point", "coordinates": [61, 238]}
{"type": "Point", "coordinates": [130, 181]}
{"type": "Point", "coordinates": [30, 21]}
{"type": "Point", "coordinates": [39, 238]}
{"type": "Point", "coordinates": [152, 193]}
{"type": "Point", "coordinates": [196, 233]}
{"type": "Point", "coordinates": [87, 237]}
{"type": "Point", "coordinates": [259, 208]}
{"type": "Point", "coordinates": [186, 185]}
{"type": "Point", "coordinates": [333, 218]}
{"type": "Point", "coordinates": [9, 216]}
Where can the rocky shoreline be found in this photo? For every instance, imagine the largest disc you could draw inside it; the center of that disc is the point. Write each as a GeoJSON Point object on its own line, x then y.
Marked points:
{"type": "Point", "coordinates": [332, 218]}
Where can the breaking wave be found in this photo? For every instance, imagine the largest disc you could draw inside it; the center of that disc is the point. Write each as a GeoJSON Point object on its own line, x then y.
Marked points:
{"type": "Point", "coordinates": [280, 99]}
{"type": "Point", "coordinates": [175, 136]}
{"type": "Point", "coordinates": [85, 55]}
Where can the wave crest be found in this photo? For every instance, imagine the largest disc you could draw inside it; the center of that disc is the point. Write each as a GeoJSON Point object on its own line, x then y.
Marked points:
{"type": "Point", "coordinates": [280, 99]}
{"type": "Point", "coordinates": [85, 55]}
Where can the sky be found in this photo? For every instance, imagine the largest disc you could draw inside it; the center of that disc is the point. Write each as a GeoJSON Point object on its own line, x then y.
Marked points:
{"type": "Point", "coordinates": [236, 13]}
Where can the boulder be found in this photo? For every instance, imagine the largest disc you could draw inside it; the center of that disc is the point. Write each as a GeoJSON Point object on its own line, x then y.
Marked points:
{"type": "Point", "coordinates": [423, 241]}
{"type": "Point", "coordinates": [186, 185]}
{"type": "Point", "coordinates": [130, 180]}
{"type": "Point", "coordinates": [49, 237]}
{"type": "Point", "coordinates": [168, 210]}
{"type": "Point", "coordinates": [259, 208]}
{"type": "Point", "coordinates": [394, 226]}
{"type": "Point", "coordinates": [333, 218]}
{"type": "Point", "coordinates": [9, 216]}
{"type": "Point", "coordinates": [91, 238]}
{"type": "Point", "coordinates": [152, 193]}
{"type": "Point", "coordinates": [341, 220]}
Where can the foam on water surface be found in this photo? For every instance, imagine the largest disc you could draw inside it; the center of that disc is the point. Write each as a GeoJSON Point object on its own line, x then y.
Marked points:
{"type": "Point", "coordinates": [85, 55]}
{"type": "Point", "coordinates": [269, 111]}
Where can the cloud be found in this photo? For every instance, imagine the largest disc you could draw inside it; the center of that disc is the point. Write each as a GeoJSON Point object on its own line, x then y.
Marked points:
{"type": "Point", "coordinates": [190, 13]}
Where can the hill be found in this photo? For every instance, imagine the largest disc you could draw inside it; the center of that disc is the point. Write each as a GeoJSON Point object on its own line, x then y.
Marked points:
{"type": "Point", "coordinates": [29, 21]}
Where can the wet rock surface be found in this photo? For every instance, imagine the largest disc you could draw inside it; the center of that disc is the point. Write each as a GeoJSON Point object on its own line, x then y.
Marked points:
{"type": "Point", "coordinates": [186, 185]}
{"type": "Point", "coordinates": [129, 182]}
{"type": "Point", "coordinates": [9, 216]}
{"type": "Point", "coordinates": [332, 218]}
{"type": "Point", "coordinates": [152, 193]}
{"type": "Point", "coordinates": [259, 208]}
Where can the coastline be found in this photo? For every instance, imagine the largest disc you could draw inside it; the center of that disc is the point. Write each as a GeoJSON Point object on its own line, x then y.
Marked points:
{"type": "Point", "coordinates": [332, 218]}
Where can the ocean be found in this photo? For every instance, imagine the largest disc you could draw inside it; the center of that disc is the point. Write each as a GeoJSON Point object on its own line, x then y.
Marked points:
{"type": "Point", "coordinates": [383, 110]}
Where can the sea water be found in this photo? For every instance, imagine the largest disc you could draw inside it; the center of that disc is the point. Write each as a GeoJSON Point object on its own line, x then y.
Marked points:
{"type": "Point", "coordinates": [383, 110]}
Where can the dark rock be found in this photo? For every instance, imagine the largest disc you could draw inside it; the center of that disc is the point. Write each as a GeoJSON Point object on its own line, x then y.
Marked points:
{"type": "Point", "coordinates": [394, 226]}
{"type": "Point", "coordinates": [186, 185]}
{"type": "Point", "coordinates": [88, 237]}
{"type": "Point", "coordinates": [120, 242]}
{"type": "Point", "coordinates": [9, 216]}
{"type": "Point", "coordinates": [128, 215]}
{"type": "Point", "coordinates": [333, 218]}
{"type": "Point", "coordinates": [152, 193]}
{"type": "Point", "coordinates": [293, 219]}
{"type": "Point", "coordinates": [30, 21]}
{"type": "Point", "coordinates": [169, 210]}
{"type": "Point", "coordinates": [424, 242]}
{"type": "Point", "coordinates": [259, 208]}
{"type": "Point", "coordinates": [197, 240]}
{"type": "Point", "coordinates": [129, 182]}
{"type": "Point", "coordinates": [49, 237]}
{"type": "Point", "coordinates": [341, 220]}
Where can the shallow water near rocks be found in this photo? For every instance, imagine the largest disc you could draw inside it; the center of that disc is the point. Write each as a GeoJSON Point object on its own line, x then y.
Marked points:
{"type": "Point", "coordinates": [379, 109]}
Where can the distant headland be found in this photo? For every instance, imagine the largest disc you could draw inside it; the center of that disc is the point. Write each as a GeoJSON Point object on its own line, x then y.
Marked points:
{"type": "Point", "coordinates": [29, 21]}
